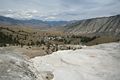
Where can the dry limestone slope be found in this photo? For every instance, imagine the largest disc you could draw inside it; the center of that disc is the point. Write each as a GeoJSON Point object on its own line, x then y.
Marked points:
{"type": "Point", "coordinates": [96, 26]}
{"type": "Point", "coordinates": [99, 62]}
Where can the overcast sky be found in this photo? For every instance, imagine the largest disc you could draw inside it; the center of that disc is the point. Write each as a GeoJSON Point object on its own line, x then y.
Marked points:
{"type": "Point", "coordinates": [59, 9]}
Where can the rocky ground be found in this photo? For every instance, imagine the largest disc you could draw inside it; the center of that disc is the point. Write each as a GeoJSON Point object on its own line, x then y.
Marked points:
{"type": "Point", "coordinates": [99, 62]}
{"type": "Point", "coordinates": [14, 66]}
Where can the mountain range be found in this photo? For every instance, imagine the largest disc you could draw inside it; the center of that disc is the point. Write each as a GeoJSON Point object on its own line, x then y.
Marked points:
{"type": "Point", "coordinates": [31, 22]}
{"type": "Point", "coordinates": [96, 26]}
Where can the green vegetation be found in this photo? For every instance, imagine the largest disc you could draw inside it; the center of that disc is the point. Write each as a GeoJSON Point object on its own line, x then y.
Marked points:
{"type": "Point", "coordinates": [23, 37]}
{"type": "Point", "coordinates": [87, 39]}
{"type": "Point", "coordinates": [17, 36]}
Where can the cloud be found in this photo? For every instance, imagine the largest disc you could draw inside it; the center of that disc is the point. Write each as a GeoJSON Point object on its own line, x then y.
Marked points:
{"type": "Point", "coordinates": [50, 18]}
{"type": "Point", "coordinates": [19, 14]}
{"type": "Point", "coordinates": [58, 9]}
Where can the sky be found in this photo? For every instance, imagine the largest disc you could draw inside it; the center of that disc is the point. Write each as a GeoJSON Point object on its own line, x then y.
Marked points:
{"type": "Point", "coordinates": [58, 9]}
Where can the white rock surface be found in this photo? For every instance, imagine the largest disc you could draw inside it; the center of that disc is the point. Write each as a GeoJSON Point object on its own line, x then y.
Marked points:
{"type": "Point", "coordinates": [14, 66]}
{"type": "Point", "coordinates": [100, 62]}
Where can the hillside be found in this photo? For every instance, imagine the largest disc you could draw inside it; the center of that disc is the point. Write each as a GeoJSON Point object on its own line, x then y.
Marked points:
{"type": "Point", "coordinates": [25, 35]}
{"type": "Point", "coordinates": [36, 41]}
{"type": "Point", "coordinates": [96, 26]}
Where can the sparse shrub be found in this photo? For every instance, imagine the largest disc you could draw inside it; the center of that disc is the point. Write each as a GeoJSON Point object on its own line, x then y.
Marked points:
{"type": "Point", "coordinates": [87, 39]}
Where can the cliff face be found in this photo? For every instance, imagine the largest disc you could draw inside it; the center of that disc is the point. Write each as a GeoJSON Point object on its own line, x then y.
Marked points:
{"type": "Point", "coordinates": [97, 26]}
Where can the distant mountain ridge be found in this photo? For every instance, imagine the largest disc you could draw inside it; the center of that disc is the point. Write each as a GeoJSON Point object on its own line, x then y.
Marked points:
{"type": "Point", "coordinates": [32, 22]}
{"type": "Point", "coordinates": [97, 26]}
{"type": "Point", "coordinates": [94, 26]}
